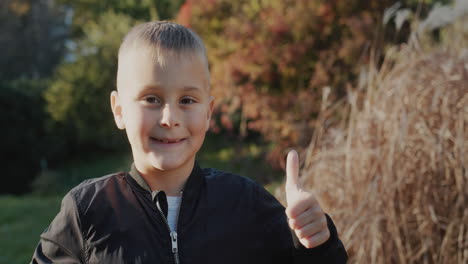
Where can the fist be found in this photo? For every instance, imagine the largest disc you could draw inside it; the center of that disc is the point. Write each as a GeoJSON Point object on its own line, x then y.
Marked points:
{"type": "Point", "coordinates": [305, 216]}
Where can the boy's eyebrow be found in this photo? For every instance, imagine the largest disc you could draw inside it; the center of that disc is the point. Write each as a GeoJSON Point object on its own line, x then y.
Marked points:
{"type": "Point", "coordinates": [157, 87]}
{"type": "Point", "coordinates": [149, 88]}
{"type": "Point", "coordinates": [192, 88]}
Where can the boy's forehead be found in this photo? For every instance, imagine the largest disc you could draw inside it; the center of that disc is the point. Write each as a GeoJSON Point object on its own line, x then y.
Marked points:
{"type": "Point", "coordinates": [142, 65]}
{"type": "Point", "coordinates": [160, 57]}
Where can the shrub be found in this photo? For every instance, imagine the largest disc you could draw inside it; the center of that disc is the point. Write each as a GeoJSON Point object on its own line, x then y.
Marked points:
{"type": "Point", "coordinates": [22, 141]}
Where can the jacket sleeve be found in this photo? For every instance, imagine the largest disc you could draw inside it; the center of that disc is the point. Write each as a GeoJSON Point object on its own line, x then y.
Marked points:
{"type": "Point", "coordinates": [62, 241]}
{"type": "Point", "coordinates": [332, 251]}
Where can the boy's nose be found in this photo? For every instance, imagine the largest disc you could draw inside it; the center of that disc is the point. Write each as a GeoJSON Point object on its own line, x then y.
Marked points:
{"type": "Point", "coordinates": [169, 117]}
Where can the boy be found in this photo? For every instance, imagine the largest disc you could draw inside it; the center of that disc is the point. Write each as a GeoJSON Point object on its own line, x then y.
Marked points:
{"type": "Point", "coordinates": [168, 209]}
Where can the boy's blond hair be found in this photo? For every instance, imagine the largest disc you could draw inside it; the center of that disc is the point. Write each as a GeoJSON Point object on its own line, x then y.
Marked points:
{"type": "Point", "coordinates": [163, 39]}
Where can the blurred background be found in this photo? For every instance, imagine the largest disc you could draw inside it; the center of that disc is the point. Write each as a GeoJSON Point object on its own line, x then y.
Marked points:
{"type": "Point", "coordinates": [373, 94]}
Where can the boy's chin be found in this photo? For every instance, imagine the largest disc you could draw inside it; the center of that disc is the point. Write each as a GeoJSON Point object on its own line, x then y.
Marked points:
{"type": "Point", "coordinates": [168, 164]}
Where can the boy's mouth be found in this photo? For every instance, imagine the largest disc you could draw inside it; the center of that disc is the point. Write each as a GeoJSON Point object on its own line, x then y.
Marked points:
{"type": "Point", "coordinates": [167, 140]}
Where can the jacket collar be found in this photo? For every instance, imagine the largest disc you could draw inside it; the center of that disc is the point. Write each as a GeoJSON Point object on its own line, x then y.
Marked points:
{"type": "Point", "coordinates": [190, 197]}
{"type": "Point", "coordinates": [138, 178]}
{"type": "Point", "coordinates": [191, 187]}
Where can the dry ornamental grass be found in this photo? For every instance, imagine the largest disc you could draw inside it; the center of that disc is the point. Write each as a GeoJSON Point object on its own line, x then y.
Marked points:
{"type": "Point", "coordinates": [394, 173]}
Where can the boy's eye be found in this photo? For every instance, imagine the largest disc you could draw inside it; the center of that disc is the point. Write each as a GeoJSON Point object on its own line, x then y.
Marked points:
{"type": "Point", "coordinates": [151, 100]}
{"type": "Point", "coordinates": [187, 100]}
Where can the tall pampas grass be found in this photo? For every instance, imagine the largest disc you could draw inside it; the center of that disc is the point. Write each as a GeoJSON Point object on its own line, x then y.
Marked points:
{"type": "Point", "coordinates": [390, 163]}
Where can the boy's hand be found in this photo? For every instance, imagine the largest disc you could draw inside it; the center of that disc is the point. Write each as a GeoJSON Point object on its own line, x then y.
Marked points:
{"type": "Point", "coordinates": [305, 215]}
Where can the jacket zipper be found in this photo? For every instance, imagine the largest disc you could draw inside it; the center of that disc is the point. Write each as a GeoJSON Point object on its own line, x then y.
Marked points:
{"type": "Point", "coordinates": [173, 234]}
{"type": "Point", "coordinates": [175, 250]}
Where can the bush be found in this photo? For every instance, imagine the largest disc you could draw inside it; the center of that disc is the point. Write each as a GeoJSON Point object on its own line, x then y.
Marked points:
{"type": "Point", "coordinates": [22, 116]}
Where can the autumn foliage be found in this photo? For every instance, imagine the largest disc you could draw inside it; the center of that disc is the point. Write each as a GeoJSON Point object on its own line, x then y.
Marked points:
{"type": "Point", "coordinates": [270, 59]}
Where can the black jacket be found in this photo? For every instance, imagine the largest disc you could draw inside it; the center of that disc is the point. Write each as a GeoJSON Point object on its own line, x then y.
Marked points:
{"type": "Point", "coordinates": [223, 218]}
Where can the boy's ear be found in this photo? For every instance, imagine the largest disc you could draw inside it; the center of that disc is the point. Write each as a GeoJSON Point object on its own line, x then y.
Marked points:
{"type": "Point", "coordinates": [210, 112]}
{"type": "Point", "coordinates": [117, 110]}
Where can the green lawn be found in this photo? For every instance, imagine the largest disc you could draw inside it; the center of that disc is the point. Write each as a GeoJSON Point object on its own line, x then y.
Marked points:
{"type": "Point", "coordinates": [22, 219]}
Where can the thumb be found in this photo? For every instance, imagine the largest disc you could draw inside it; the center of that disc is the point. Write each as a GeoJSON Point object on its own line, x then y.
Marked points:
{"type": "Point", "coordinates": [292, 172]}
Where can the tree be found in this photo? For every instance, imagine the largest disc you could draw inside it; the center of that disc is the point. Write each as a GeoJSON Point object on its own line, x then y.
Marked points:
{"type": "Point", "coordinates": [51, 111]}
{"type": "Point", "coordinates": [32, 39]}
{"type": "Point", "coordinates": [270, 60]}
{"type": "Point", "coordinates": [78, 97]}
{"type": "Point", "coordinates": [32, 43]}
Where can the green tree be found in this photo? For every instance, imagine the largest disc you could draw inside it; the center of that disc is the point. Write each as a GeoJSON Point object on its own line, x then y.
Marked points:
{"type": "Point", "coordinates": [79, 94]}
{"type": "Point", "coordinates": [32, 38]}
{"type": "Point", "coordinates": [48, 121]}
{"type": "Point", "coordinates": [78, 97]}
{"type": "Point", "coordinates": [32, 44]}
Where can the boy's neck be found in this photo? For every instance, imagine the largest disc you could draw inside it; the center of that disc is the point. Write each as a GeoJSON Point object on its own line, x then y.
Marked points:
{"type": "Point", "coordinates": [170, 181]}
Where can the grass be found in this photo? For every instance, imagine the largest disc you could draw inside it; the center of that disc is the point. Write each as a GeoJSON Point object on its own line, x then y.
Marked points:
{"type": "Point", "coordinates": [22, 219]}
{"type": "Point", "coordinates": [60, 180]}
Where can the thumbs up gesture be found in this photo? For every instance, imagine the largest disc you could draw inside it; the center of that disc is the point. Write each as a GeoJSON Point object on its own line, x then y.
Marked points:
{"type": "Point", "coordinates": [303, 210]}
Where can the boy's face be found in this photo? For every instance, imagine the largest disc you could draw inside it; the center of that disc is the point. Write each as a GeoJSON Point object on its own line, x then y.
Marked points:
{"type": "Point", "coordinates": [165, 110]}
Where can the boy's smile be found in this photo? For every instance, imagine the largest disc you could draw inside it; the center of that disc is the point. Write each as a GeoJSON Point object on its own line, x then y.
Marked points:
{"type": "Point", "coordinates": [165, 109]}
